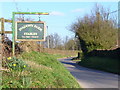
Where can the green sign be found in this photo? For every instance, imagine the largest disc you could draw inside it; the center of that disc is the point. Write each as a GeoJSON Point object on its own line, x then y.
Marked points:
{"type": "Point", "coordinates": [30, 31]}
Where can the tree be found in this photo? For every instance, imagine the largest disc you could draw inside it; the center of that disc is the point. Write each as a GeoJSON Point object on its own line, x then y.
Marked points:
{"type": "Point", "coordinates": [53, 41]}
{"type": "Point", "coordinates": [64, 42]}
{"type": "Point", "coordinates": [71, 44]}
{"type": "Point", "coordinates": [95, 31]}
{"type": "Point", "coordinates": [57, 40]}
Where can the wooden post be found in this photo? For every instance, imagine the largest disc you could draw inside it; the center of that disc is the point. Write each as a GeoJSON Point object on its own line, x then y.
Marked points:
{"type": "Point", "coordinates": [2, 36]}
{"type": "Point", "coordinates": [2, 28]}
{"type": "Point", "coordinates": [1, 46]}
{"type": "Point", "coordinates": [13, 33]}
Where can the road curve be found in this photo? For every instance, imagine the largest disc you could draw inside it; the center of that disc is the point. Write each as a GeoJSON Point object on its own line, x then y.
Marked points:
{"type": "Point", "coordinates": [90, 78]}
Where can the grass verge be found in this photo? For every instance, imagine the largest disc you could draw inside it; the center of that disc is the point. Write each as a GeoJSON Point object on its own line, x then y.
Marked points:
{"type": "Point", "coordinates": [43, 71]}
{"type": "Point", "coordinates": [101, 63]}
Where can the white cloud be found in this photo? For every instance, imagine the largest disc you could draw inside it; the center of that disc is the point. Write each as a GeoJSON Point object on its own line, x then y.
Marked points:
{"type": "Point", "coordinates": [57, 13]}
{"type": "Point", "coordinates": [78, 10]}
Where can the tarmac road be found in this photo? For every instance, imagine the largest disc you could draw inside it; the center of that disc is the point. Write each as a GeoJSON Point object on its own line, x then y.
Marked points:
{"type": "Point", "coordinates": [90, 78]}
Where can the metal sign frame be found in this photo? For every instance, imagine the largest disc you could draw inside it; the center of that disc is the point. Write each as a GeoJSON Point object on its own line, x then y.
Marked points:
{"type": "Point", "coordinates": [13, 25]}
{"type": "Point", "coordinates": [41, 22]}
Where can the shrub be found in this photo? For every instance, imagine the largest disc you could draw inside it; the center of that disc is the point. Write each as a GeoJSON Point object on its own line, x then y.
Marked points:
{"type": "Point", "coordinates": [106, 53]}
{"type": "Point", "coordinates": [15, 64]}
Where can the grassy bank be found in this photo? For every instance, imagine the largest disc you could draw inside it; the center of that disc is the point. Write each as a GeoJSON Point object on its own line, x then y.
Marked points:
{"type": "Point", "coordinates": [101, 63]}
{"type": "Point", "coordinates": [43, 71]}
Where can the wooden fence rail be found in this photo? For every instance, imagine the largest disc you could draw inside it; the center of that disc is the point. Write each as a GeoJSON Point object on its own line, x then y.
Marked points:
{"type": "Point", "coordinates": [2, 34]}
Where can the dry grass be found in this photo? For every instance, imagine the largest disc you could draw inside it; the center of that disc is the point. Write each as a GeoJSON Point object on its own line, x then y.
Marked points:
{"type": "Point", "coordinates": [3, 69]}
{"type": "Point", "coordinates": [37, 66]}
{"type": "Point", "coordinates": [34, 46]}
{"type": "Point", "coordinates": [61, 52]}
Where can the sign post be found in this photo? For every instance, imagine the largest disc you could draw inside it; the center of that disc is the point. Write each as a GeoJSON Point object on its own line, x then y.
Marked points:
{"type": "Point", "coordinates": [13, 34]}
{"type": "Point", "coordinates": [27, 31]}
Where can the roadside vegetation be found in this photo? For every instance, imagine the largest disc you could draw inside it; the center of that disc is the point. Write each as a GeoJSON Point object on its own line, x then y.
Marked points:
{"type": "Point", "coordinates": [97, 34]}
{"type": "Point", "coordinates": [106, 60]}
{"type": "Point", "coordinates": [101, 63]}
{"type": "Point", "coordinates": [36, 70]}
{"type": "Point", "coordinates": [96, 30]}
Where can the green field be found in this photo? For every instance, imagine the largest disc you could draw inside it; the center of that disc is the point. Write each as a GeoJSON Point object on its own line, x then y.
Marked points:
{"type": "Point", "coordinates": [101, 63]}
{"type": "Point", "coordinates": [42, 71]}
